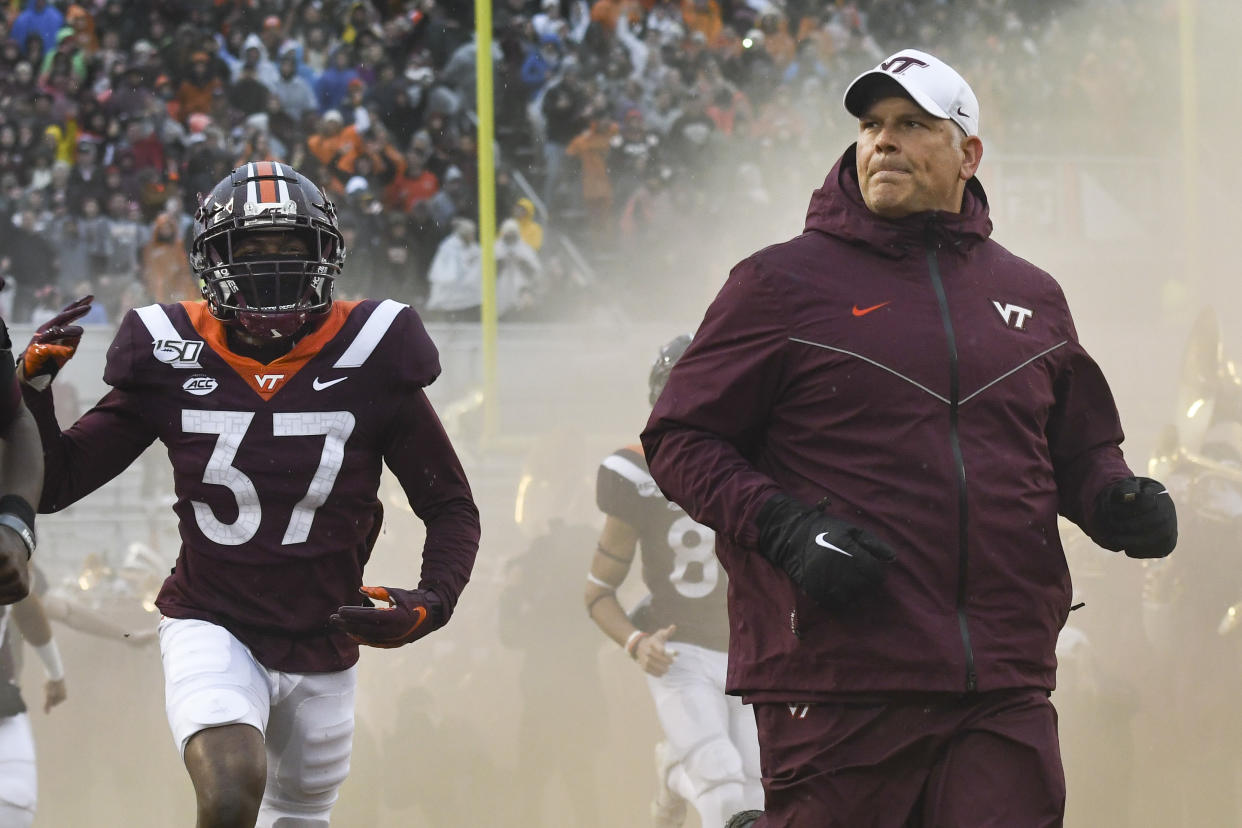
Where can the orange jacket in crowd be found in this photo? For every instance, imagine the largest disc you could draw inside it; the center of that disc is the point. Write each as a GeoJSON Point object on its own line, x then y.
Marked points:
{"type": "Point", "coordinates": [325, 147]}
{"type": "Point", "coordinates": [386, 150]}
{"type": "Point", "coordinates": [608, 12]}
{"type": "Point", "coordinates": [706, 19]}
{"type": "Point", "coordinates": [403, 192]}
{"type": "Point", "coordinates": [165, 269]}
{"type": "Point", "coordinates": [591, 148]}
{"type": "Point", "coordinates": [193, 98]}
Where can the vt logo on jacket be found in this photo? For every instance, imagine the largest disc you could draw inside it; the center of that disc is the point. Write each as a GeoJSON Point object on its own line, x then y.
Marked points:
{"type": "Point", "coordinates": [1008, 312]}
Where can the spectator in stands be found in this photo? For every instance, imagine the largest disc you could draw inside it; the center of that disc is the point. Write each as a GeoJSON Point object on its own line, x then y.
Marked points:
{"type": "Point", "coordinates": [649, 208]}
{"type": "Point", "coordinates": [444, 205]}
{"type": "Point", "coordinates": [591, 148]}
{"type": "Point", "coordinates": [549, 20]}
{"type": "Point", "coordinates": [562, 114]}
{"type": "Point", "coordinates": [633, 151]}
{"type": "Point", "coordinates": [197, 90]}
{"type": "Point", "coordinates": [354, 106]}
{"type": "Point", "coordinates": [247, 92]}
{"type": "Point", "coordinates": [333, 83]}
{"type": "Point", "coordinates": [331, 139]}
{"type": "Point", "coordinates": [456, 276]}
{"type": "Point", "coordinates": [39, 18]}
{"type": "Point", "coordinates": [165, 267]}
{"type": "Point", "coordinates": [126, 238]}
{"type": "Point", "coordinates": [528, 225]}
{"type": "Point", "coordinates": [519, 275]}
{"type": "Point", "coordinates": [291, 89]}
{"type": "Point", "coordinates": [29, 255]}
{"type": "Point", "coordinates": [690, 137]}
{"type": "Point", "coordinates": [411, 185]}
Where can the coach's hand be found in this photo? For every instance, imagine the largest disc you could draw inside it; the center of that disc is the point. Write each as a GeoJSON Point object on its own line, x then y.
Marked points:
{"type": "Point", "coordinates": [409, 616]}
{"type": "Point", "coordinates": [831, 560]}
{"type": "Point", "coordinates": [1136, 515]}
{"type": "Point", "coordinates": [54, 344]}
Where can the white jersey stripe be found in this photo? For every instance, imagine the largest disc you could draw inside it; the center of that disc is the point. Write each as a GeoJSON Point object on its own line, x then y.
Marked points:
{"type": "Point", "coordinates": [369, 336]}
{"type": "Point", "coordinates": [628, 469]}
{"type": "Point", "coordinates": [157, 322]}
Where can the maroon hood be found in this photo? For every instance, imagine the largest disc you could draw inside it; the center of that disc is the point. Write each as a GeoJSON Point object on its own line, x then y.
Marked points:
{"type": "Point", "coordinates": [837, 208]}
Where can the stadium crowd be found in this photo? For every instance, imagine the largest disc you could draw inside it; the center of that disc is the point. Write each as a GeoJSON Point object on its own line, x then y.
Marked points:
{"type": "Point", "coordinates": [621, 124]}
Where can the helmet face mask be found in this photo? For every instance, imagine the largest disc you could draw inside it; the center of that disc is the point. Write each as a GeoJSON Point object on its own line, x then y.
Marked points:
{"type": "Point", "coordinates": [670, 352]}
{"type": "Point", "coordinates": [267, 250]}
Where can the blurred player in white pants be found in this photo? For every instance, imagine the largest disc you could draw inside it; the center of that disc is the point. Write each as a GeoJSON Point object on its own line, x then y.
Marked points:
{"type": "Point", "coordinates": [27, 621]}
{"type": "Point", "coordinates": [678, 635]}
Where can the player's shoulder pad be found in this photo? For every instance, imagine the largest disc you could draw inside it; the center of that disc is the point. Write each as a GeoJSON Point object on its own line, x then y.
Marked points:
{"type": "Point", "coordinates": [623, 482]}
{"type": "Point", "coordinates": [395, 334]}
{"type": "Point", "coordinates": [148, 339]}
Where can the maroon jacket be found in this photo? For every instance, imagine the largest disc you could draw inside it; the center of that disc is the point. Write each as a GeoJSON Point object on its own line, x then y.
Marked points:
{"type": "Point", "coordinates": [930, 385]}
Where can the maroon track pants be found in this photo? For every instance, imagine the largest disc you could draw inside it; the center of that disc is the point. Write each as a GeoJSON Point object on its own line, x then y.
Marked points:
{"type": "Point", "coordinates": [989, 760]}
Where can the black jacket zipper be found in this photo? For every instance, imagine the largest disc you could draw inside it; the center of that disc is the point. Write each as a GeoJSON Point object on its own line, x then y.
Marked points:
{"type": "Point", "coordinates": [933, 267]}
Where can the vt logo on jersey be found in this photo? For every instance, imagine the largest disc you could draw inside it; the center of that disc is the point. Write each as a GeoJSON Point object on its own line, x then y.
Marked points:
{"type": "Point", "coordinates": [200, 385]}
{"type": "Point", "coordinates": [268, 381]}
{"type": "Point", "coordinates": [179, 353]}
{"type": "Point", "coordinates": [1014, 316]}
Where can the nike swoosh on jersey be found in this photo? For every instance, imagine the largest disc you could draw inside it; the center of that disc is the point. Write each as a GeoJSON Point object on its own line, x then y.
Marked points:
{"type": "Point", "coordinates": [864, 311]}
{"type": "Point", "coordinates": [319, 386]}
{"type": "Point", "coordinates": [821, 540]}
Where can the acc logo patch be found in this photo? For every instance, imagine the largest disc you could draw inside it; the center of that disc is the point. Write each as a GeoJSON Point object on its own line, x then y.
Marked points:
{"type": "Point", "coordinates": [200, 385]}
{"type": "Point", "coordinates": [179, 353]}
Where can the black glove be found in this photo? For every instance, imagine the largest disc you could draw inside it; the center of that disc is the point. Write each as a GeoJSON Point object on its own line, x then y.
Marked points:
{"type": "Point", "coordinates": [829, 559]}
{"type": "Point", "coordinates": [1136, 514]}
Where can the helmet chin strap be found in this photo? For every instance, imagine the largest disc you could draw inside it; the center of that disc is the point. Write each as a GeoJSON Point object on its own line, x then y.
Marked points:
{"type": "Point", "coordinates": [249, 340]}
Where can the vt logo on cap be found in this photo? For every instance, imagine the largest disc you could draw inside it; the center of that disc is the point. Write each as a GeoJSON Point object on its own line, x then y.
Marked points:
{"type": "Point", "coordinates": [929, 81]}
{"type": "Point", "coordinates": [899, 64]}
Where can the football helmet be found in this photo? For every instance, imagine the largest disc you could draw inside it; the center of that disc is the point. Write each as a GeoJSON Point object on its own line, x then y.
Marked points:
{"type": "Point", "coordinates": [670, 352]}
{"type": "Point", "coordinates": [269, 296]}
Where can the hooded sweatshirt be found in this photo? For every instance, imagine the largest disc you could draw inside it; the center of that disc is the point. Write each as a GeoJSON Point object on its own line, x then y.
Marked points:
{"type": "Point", "coordinates": [917, 380]}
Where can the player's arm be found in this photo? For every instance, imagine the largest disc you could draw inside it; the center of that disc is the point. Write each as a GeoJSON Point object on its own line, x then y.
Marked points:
{"type": "Point", "coordinates": [99, 446]}
{"type": "Point", "coordinates": [85, 620]}
{"type": "Point", "coordinates": [614, 554]}
{"type": "Point", "coordinates": [419, 453]}
{"type": "Point", "coordinates": [33, 624]}
{"type": "Point", "coordinates": [21, 481]}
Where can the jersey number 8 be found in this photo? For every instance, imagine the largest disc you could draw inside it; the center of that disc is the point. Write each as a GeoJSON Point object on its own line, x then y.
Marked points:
{"type": "Point", "coordinates": [694, 554]}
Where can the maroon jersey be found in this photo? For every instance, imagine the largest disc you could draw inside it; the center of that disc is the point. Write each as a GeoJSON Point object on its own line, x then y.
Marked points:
{"type": "Point", "coordinates": [276, 467]}
{"type": "Point", "coordinates": [679, 566]}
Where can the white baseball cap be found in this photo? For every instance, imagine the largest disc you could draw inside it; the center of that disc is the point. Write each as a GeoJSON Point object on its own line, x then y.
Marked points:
{"type": "Point", "coordinates": [931, 82]}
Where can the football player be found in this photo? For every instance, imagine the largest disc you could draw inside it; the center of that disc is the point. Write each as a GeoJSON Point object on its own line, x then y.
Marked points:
{"type": "Point", "coordinates": [21, 477]}
{"type": "Point", "coordinates": [278, 406]}
{"type": "Point", "coordinates": [678, 634]}
{"type": "Point", "coordinates": [18, 779]}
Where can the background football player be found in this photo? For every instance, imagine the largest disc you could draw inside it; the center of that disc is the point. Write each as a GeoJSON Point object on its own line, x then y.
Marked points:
{"type": "Point", "coordinates": [278, 407]}
{"type": "Point", "coordinates": [678, 635]}
{"type": "Point", "coordinates": [21, 477]}
{"type": "Point", "coordinates": [26, 621]}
